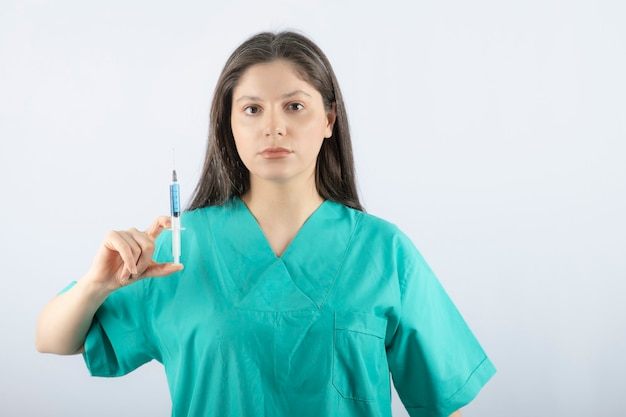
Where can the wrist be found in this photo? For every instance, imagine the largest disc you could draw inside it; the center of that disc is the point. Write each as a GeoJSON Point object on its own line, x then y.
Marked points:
{"type": "Point", "coordinates": [94, 291]}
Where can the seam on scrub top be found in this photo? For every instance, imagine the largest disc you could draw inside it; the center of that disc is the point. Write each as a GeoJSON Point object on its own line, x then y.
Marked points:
{"type": "Point", "coordinates": [149, 304]}
{"type": "Point", "coordinates": [332, 379]}
{"type": "Point", "coordinates": [345, 329]}
{"type": "Point", "coordinates": [468, 380]}
{"type": "Point", "coordinates": [447, 401]}
{"type": "Point", "coordinates": [284, 265]}
{"type": "Point", "coordinates": [343, 258]}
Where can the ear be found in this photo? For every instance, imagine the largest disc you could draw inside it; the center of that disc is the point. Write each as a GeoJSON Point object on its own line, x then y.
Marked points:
{"type": "Point", "coordinates": [331, 116]}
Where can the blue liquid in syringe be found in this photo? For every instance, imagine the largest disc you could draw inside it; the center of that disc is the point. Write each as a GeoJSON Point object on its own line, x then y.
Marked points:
{"type": "Point", "coordinates": [174, 196]}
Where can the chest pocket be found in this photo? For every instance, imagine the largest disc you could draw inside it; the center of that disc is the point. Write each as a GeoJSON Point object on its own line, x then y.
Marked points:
{"type": "Point", "coordinates": [360, 368]}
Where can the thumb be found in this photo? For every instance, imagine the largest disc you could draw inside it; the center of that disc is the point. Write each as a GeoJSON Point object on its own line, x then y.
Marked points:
{"type": "Point", "coordinates": [155, 270]}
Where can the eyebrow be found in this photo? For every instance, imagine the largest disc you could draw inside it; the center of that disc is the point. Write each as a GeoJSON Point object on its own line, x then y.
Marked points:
{"type": "Point", "coordinates": [284, 96]}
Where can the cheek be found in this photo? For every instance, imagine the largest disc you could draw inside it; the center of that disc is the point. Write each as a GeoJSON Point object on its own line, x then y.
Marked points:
{"type": "Point", "coordinates": [240, 146]}
{"type": "Point", "coordinates": [242, 149]}
{"type": "Point", "coordinates": [312, 146]}
{"type": "Point", "coordinates": [244, 131]}
{"type": "Point", "coordinates": [241, 135]}
{"type": "Point", "coordinates": [235, 127]}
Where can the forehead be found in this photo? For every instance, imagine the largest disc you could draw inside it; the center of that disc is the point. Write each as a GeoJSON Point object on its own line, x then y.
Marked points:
{"type": "Point", "coordinates": [276, 76]}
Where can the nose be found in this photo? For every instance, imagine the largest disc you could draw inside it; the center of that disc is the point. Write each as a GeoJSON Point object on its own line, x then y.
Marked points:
{"type": "Point", "coordinates": [275, 126]}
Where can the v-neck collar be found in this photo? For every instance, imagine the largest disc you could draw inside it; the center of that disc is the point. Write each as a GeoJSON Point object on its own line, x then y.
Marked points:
{"type": "Point", "coordinates": [248, 213]}
{"type": "Point", "coordinates": [305, 273]}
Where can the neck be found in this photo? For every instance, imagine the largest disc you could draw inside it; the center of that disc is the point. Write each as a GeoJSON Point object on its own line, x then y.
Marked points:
{"type": "Point", "coordinates": [282, 201]}
{"type": "Point", "coordinates": [281, 210]}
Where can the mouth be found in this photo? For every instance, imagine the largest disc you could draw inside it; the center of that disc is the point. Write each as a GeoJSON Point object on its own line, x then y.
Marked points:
{"type": "Point", "coordinates": [275, 153]}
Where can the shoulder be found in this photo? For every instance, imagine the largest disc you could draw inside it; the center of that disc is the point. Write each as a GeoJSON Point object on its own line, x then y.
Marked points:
{"type": "Point", "coordinates": [381, 234]}
{"type": "Point", "coordinates": [385, 229]}
{"type": "Point", "coordinates": [209, 216]}
{"type": "Point", "coordinates": [365, 220]}
{"type": "Point", "coordinates": [202, 213]}
{"type": "Point", "coordinates": [378, 225]}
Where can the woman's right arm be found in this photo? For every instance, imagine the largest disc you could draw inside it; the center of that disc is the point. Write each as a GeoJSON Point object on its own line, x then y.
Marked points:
{"type": "Point", "coordinates": [65, 320]}
{"type": "Point", "coordinates": [124, 257]}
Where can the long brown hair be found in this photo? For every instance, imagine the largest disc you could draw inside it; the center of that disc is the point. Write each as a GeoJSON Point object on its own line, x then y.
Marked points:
{"type": "Point", "coordinates": [224, 175]}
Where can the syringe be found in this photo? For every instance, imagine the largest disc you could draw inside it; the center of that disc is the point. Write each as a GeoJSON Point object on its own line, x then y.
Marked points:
{"type": "Point", "coordinates": [175, 213]}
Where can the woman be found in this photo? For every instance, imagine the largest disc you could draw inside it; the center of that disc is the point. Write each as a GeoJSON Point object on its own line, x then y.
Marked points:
{"type": "Point", "coordinates": [292, 300]}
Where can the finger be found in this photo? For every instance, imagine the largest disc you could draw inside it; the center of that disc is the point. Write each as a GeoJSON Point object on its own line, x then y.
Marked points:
{"type": "Point", "coordinates": [129, 237]}
{"type": "Point", "coordinates": [115, 242]}
{"type": "Point", "coordinates": [146, 245]}
{"type": "Point", "coordinates": [156, 270]}
{"type": "Point", "coordinates": [155, 229]}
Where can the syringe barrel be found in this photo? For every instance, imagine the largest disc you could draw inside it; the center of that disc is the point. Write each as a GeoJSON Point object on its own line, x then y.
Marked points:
{"type": "Point", "coordinates": [176, 239]}
{"type": "Point", "coordinates": [175, 199]}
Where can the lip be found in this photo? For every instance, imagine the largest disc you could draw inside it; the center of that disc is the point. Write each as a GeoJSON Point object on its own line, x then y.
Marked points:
{"type": "Point", "coordinates": [275, 153]}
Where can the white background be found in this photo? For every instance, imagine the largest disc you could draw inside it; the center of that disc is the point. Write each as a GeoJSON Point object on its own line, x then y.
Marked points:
{"type": "Point", "coordinates": [492, 132]}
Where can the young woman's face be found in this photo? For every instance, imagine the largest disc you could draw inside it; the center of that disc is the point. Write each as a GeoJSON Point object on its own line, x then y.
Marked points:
{"type": "Point", "coordinates": [279, 123]}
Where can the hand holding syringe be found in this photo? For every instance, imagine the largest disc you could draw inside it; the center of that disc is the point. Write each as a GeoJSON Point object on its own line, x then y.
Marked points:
{"type": "Point", "coordinates": [125, 256]}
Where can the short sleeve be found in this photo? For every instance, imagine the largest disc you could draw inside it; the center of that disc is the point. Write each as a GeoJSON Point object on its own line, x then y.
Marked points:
{"type": "Point", "coordinates": [437, 365]}
{"type": "Point", "coordinates": [119, 338]}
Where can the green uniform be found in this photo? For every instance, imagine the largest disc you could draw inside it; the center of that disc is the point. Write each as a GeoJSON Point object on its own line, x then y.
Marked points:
{"type": "Point", "coordinates": [316, 332]}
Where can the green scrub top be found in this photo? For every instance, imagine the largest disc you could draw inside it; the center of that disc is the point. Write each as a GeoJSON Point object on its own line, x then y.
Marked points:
{"type": "Point", "coordinates": [315, 332]}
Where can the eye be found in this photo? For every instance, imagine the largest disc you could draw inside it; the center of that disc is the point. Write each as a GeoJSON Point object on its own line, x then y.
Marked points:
{"type": "Point", "coordinates": [251, 110]}
{"type": "Point", "coordinates": [295, 106]}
